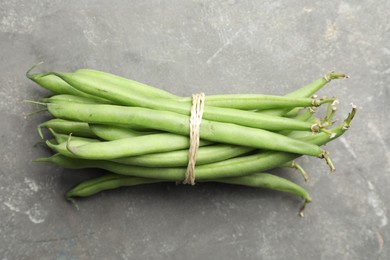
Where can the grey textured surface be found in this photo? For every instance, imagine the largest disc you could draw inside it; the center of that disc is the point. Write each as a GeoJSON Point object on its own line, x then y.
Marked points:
{"type": "Point", "coordinates": [184, 47]}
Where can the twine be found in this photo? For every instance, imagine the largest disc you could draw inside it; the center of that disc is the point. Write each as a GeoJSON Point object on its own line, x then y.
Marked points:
{"type": "Point", "coordinates": [195, 120]}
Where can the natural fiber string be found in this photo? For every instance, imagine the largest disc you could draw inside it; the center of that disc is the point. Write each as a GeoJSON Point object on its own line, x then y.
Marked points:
{"type": "Point", "coordinates": [195, 120]}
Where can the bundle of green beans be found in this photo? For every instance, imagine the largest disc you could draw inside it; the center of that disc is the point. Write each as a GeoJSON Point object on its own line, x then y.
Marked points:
{"type": "Point", "coordinates": [140, 134]}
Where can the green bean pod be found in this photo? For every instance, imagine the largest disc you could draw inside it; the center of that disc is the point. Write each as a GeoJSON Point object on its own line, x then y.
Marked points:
{"type": "Point", "coordinates": [111, 132]}
{"type": "Point", "coordinates": [269, 181]}
{"type": "Point", "coordinates": [307, 91]}
{"type": "Point", "coordinates": [66, 98]}
{"type": "Point", "coordinates": [59, 86]}
{"type": "Point", "coordinates": [237, 101]}
{"type": "Point", "coordinates": [107, 90]}
{"type": "Point", "coordinates": [63, 126]}
{"type": "Point", "coordinates": [254, 101]}
{"type": "Point", "coordinates": [62, 138]}
{"type": "Point", "coordinates": [229, 168]}
{"type": "Point", "coordinates": [132, 146]}
{"type": "Point", "coordinates": [106, 182]}
{"type": "Point", "coordinates": [257, 180]}
{"type": "Point", "coordinates": [128, 84]}
{"type": "Point", "coordinates": [205, 155]}
{"type": "Point", "coordinates": [179, 124]}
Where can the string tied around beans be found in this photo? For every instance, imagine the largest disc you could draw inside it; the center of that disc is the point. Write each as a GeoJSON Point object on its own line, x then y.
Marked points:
{"type": "Point", "coordinates": [197, 108]}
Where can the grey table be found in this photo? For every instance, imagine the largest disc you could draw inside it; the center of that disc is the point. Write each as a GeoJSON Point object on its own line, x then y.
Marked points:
{"type": "Point", "coordinates": [185, 47]}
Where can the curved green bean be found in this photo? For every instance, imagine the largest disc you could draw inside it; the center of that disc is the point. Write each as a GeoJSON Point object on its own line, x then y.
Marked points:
{"type": "Point", "coordinates": [257, 180]}
{"type": "Point", "coordinates": [106, 182]}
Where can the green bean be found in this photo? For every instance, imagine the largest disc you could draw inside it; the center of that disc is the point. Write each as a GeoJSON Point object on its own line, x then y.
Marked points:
{"type": "Point", "coordinates": [177, 158]}
{"type": "Point", "coordinates": [62, 138]}
{"type": "Point", "coordinates": [205, 155]}
{"type": "Point", "coordinates": [292, 113]}
{"type": "Point", "coordinates": [316, 85]}
{"type": "Point", "coordinates": [130, 85]}
{"type": "Point", "coordinates": [254, 101]}
{"type": "Point", "coordinates": [179, 124]}
{"type": "Point", "coordinates": [66, 98]}
{"type": "Point", "coordinates": [106, 182]}
{"type": "Point", "coordinates": [296, 166]}
{"type": "Point", "coordinates": [110, 132]}
{"type": "Point", "coordinates": [105, 89]}
{"type": "Point", "coordinates": [180, 158]}
{"type": "Point", "coordinates": [238, 101]}
{"type": "Point", "coordinates": [61, 147]}
{"type": "Point", "coordinates": [66, 127]}
{"type": "Point", "coordinates": [132, 146]}
{"type": "Point", "coordinates": [235, 167]}
{"type": "Point", "coordinates": [307, 91]}
{"type": "Point", "coordinates": [55, 84]}
{"type": "Point", "coordinates": [61, 87]}
{"type": "Point", "coordinates": [306, 115]}
{"type": "Point", "coordinates": [58, 86]}
{"type": "Point", "coordinates": [257, 180]}
{"type": "Point", "coordinates": [270, 181]}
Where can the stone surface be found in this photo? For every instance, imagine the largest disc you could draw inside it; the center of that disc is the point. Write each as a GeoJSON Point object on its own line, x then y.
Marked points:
{"type": "Point", "coordinates": [184, 47]}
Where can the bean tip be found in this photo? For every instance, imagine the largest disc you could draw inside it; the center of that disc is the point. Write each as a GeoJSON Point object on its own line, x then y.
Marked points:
{"type": "Point", "coordinates": [28, 73]}
{"type": "Point", "coordinates": [334, 75]}
{"type": "Point", "coordinates": [69, 198]}
{"type": "Point", "coordinates": [302, 209]}
{"type": "Point", "coordinates": [68, 146]}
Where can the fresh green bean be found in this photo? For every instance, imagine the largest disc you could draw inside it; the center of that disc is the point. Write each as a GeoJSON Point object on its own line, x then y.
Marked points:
{"type": "Point", "coordinates": [61, 87]}
{"type": "Point", "coordinates": [270, 181]}
{"type": "Point", "coordinates": [58, 86]}
{"type": "Point", "coordinates": [238, 101]}
{"type": "Point", "coordinates": [305, 115]}
{"type": "Point", "coordinates": [110, 132]}
{"type": "Point", "coordinates": [130, 85]}
{"type": "Point", "coordinates": [257, 180]}
{"type": "Point", "coordinates": [254, 101]}
{"type": "Point", "coordinates": [106, 182]}
{"type": "Point", "coordinates": [307, 91]}
{"type": "Point", "coordinates": [66, 98]}
{"type": "Point", "coordinates": [61, 147]}
{"type": "Point", "coordinates": [177, 158]}
{"type": "Point", "coordinates": [132, 146]}
{"type": "Point", "coordinates": [296, 166]}
{"type": "Point", "coordinates": [234, 167]}
{"type": "Point", "coordinates": [292, 113]}
{"type": "Point", "coordinates": [205, 155]}
{"type": "Point", "coordinates": [246, 118]}
{"type": "Point", "coordinates": [229, 168]}
{"type": "Point", "coordinates": [179, 124]}
{"type": "Point", "coordinates": [63, 126]}
{"type": "Point", "coordinates": [316, 85]}
{"type": "Point", "coordinates": [62, 138]}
